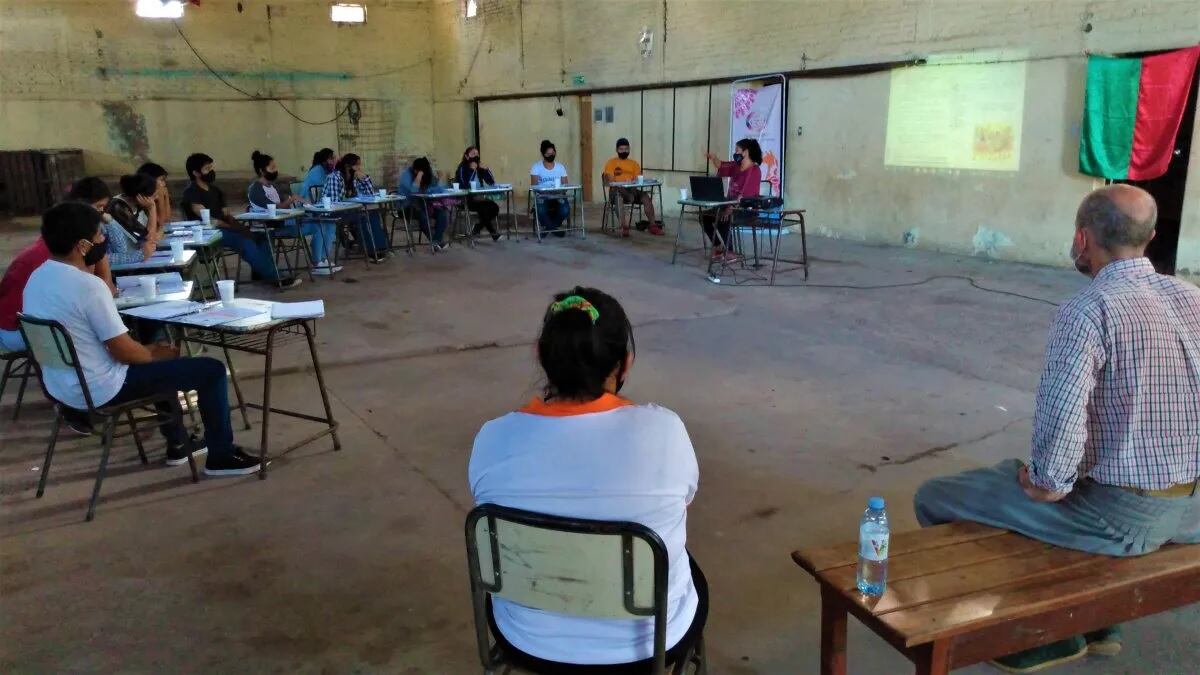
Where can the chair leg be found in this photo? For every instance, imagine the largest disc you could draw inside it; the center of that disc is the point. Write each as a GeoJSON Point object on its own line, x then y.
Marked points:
{"type": "Point", "coordinates": [8, 369]}
{"type": "Point", "coordinates": [108, 439]}
{"type": "Point", "coordinates": [50, 450]}
{"type": "Point", "coordinates": [26, 373]}
{"type": "Point", "coordinates": [137, 440]}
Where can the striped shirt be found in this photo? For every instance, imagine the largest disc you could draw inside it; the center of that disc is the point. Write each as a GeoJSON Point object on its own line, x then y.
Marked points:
{"type": "Point", "coordinates": [1119, 399]}
{"type": "Point", "coordinates": [335, 187]}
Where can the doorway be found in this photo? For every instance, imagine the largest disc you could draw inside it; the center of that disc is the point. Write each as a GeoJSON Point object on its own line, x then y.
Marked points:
{"type": "Point", "coordinates": [1168, 188]}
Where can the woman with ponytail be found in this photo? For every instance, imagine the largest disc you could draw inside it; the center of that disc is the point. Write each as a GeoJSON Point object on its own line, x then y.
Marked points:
{"type": "Point", "coordinates": [263, 192]}
{"type": "Point", "coordinates": [583, 451]}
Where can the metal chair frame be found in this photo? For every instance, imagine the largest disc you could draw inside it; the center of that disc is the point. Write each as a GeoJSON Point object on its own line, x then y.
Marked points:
{"type": "Point", "coordinates": [18, 365]}
{"type": "Point", "coordinates": [64, 352]}
{"type": "Point", "coordinates": [492, 656]}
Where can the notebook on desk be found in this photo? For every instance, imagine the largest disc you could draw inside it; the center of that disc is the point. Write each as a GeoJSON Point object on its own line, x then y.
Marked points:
{"type": "Point", "coordinates": [707, 188]}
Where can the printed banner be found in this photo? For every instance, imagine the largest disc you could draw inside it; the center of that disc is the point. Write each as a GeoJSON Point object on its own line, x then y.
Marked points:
{"type": "Point", "coordinates": [757, 112]}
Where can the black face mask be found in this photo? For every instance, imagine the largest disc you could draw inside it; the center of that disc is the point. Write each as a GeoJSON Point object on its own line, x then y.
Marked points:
{"type": "Point", "coordinates": [210, 177]}
{"type": "Point", "coordinates": [473, 160]}
{"type": "Point", "coordinates": [738, 157]}
{"type": "Point", "coordinates": [270, 175]}
{"type": "Point", "coordinates": [623, 155]}
{"type": "Point", "coordinates": [96, 253]}
{"type": "Point", "coordinates": [549, 158]}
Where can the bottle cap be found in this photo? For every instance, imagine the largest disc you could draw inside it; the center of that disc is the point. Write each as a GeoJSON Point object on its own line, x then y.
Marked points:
{"type": "Point", "coordinates": [875, 503]}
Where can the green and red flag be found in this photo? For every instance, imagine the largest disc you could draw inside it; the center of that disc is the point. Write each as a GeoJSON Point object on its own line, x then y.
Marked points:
{"type": "Point", "coordinates": [1131, 113]}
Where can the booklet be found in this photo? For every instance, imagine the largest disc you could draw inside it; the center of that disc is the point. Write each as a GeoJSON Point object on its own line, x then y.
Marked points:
{"type": "Point", "coordinates": [161, 311]}
{"type": "Point", "coordinates": [166, 282]}
{"type": "Point", "coordinates": [218, 314]}
{"type": "Point", "coordinates": [313, 309]}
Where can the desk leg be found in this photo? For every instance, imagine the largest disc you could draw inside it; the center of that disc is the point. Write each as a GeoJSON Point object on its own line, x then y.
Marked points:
{"type": "Point", "coordinates": [312, 349]}
{"type": "Point", "coordinates": [582, 217]}
{"type": "Point", "coordinates": [833, 634]}
{"type": "Point", "coordinates": [266, 404]}
{"type": "Point", "coordinates": [934, 659]}
{"type": "Point", "coordinates": [237, 388]}
{"type": "Point", "coordinates": [678, 233]}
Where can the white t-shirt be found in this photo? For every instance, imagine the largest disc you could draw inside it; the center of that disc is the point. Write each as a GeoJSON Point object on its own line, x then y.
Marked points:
{"type": "Point", "coordinates": [606, 460]}
{"type": "Point", "coordinates": [82, 303]}
{"type": "Point", "coordinates": [546, 176]}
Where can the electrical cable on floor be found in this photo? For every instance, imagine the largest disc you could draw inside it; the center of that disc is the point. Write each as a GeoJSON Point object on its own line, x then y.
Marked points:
{"type": "Point", "coordinates": [970, 280]}
{"type": "Point", "coordinates": [256, 97]}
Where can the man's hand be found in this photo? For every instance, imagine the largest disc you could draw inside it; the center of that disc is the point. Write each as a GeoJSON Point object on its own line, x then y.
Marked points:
{"type": "Point", "coordinates": [1037, 494]}
{"type": "Point", "coordinates": [417, 178]}
{"type": "Point", "coordinates": [147, 203]}
{"type": "Point", "coordinates": [163, 352]}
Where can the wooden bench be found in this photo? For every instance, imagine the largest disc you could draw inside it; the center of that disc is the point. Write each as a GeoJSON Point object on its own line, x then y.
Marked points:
{"type": "Point", "coordinates": [965, 593]}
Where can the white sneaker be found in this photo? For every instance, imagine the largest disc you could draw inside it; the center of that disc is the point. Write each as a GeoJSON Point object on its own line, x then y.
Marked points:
{"type": "Point", "coordinates": [324, 269]}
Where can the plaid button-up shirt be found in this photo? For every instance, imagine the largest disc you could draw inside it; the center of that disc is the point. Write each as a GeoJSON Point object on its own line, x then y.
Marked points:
{"type": "Point", "coordinates": [335, 187]}
{"type": "Point", "coordinates": [1119, 399]}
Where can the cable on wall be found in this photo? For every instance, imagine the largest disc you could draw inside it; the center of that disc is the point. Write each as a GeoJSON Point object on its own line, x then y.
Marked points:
{"type": "Point", "coordinates": [256, 97]}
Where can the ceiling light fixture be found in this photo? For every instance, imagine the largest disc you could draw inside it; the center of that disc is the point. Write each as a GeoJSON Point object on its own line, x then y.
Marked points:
{"type": "Point", "coordinates": [348, 13]}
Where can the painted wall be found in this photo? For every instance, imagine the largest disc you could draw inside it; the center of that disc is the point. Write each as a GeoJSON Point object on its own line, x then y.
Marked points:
{"type": "Point", "coordinates": [836, 168]}
{"type": "Point", "coordinates": [90, 74]}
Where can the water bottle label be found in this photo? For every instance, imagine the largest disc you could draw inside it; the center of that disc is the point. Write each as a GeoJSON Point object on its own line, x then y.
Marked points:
{"type": "Point", "coordinates": [873, 546]}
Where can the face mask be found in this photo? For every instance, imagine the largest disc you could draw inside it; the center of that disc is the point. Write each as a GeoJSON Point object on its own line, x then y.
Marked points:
{"type": "Point", "coordinates": [96, 253]}
{"type": "Point", "coordinates": [549, 158]}
{"type": "Point", "coordinates": [271, 175]}
{"type": "Point", "coordinates": [1081, 265]}
{"type": "Point", "coordinates": [210, 177]}
{"type": "Point", "coordinates": [623, 155]}
{"type": "Point", "coordinates": [474, 159]}
{"type": "Point", "coordinates": [738, 157]}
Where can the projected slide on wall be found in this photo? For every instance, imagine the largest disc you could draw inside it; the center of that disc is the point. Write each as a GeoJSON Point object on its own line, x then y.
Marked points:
{"type": "Point", "coordinates": [956, 116]}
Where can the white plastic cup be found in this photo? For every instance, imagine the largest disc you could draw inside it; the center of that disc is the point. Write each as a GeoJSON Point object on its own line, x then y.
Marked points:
{"type": "Point", "coordinates": [641, 180]}
{"type": "Point", "coordinates": [205, 216]}
{"type": "Point", "coordinates": [176, 249]}
{"type": "Point", "coordinates": [682, 194]}
{"type": "Point", "coordinates": [474, 185]}
{"type": "Point", "coordinates": [272, 209]}
{"type": "Point", "coordinates": [326, 202]}
{"type": "Point", "coordinates": [454, 186]}
{"type": "Point", "coordinates": [382, 193]}
{"type": "Point", "coordinates": [557, 182]}
{"type": "Point", "coordinates": [149, 287]}
{"type": "Point", "coordinates": [225, 290]}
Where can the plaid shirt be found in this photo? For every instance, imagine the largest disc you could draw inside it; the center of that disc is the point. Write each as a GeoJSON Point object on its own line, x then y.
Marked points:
{"type": "Point", "coordinates": [1119, 399]}
{"type": "Point", "coordinates": [335, 187]}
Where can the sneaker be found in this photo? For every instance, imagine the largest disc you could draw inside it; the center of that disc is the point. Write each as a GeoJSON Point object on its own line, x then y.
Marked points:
{"type": "Point", "coordinates": [288, 282]}
{"type": "Point", "coordinates": [642, 225]}
{"type": "Point", "coordinates": [325, 268]}
{"type": "Point", "coordinates": [1104, 642]}
{"type": "Point", "coordinates": [438, 248]}
{"type": "Point", "coordinates": [657, 230]}
{"type": "Point", "coordinates": [1046, 656]}
{"type": "Point", "coordinates": [496, 237]}
{"type": "Point", "coordinates": [178, 455]}
{"type": "Point", "coordinates": [377, 258]}
{"type": "Point", "coordinates": [237, 463]}
{"type": "Point", "coordinates": [77, 421]}
{"type": "Point", "coordinates": [624, 232]}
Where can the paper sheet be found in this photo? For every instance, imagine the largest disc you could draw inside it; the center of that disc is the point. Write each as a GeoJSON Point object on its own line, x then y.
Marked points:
{"type": "Point", "coordinates": [312, 309]}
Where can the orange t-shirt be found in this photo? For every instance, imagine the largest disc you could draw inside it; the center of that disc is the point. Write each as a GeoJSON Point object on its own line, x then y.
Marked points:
{"type": "Point", "coordinates": [622, 170]}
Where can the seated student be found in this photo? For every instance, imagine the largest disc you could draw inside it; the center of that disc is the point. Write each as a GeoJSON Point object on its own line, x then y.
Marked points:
{"type": "Point", "coordinates": [90, 190]}
{"type": "Point", "coordinates": [349, 179]}
{"type": "Point", "coordinates": [136, 225]}
{"type": "Point", "coordinates": [419, 178]}
{"type": "Point", "coordinates": [1115, 461]}
{"type": "Point", "coordinates": [621, 169]}
{"type": "Point", "coordinates": [472, 169]}
{"type": "Point", "coordinates": [552, 212]}
{"type": "Point", "coordinates": [203, 193]}
{"type": "Point", "coordinates": [744, 178]}
{"type": "Point", "coordinates": [262, 192]}
{"type": "Point", "coordinates": [116, 367]}
{"type": "Point", "coordinates": [162, 196]}
{"type": "Point", "coordinates": [582, 451]}
{"type": "Point", "coordinates": [323, 161]}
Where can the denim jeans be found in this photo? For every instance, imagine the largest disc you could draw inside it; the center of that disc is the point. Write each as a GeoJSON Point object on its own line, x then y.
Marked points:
{"type": "Point", "coordinates": [204, 375]}
{"type": "Point", "coordinates": [323, 233]}
{"type": "Point", "coordinates": [552, 213]}
{"type": "Point", "coordinates": [441, 219]}
{"type": "Point", "coordinates": [377, 239]}
{"type": "Point", "coordinates": [254, 251]}
{"type": "Point", "coordinates": [1094, 518]}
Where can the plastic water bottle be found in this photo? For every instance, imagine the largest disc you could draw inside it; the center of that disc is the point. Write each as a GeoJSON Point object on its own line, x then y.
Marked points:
{"type": "Point", "coordinates": [873, 539]}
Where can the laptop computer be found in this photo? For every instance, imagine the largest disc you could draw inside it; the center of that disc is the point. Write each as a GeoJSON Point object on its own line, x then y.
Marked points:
{"type": "Point", "coordinates": [708, 188]}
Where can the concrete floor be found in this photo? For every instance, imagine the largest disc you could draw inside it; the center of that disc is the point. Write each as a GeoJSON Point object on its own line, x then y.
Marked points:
{"type": "Point", "coordinates": [801, 403]}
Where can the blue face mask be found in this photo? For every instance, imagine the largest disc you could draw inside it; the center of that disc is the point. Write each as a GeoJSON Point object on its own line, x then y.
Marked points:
{"type": "Point", "coordinates": [738, 157]}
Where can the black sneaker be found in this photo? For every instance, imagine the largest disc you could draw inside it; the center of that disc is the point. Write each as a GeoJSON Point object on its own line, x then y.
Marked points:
{"type": "Point", "coordinates": [178, 455]}
{"type": "Point", "coordinates": [77, 421]}
{"type": "Point", "coordinates": [236, 463]}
